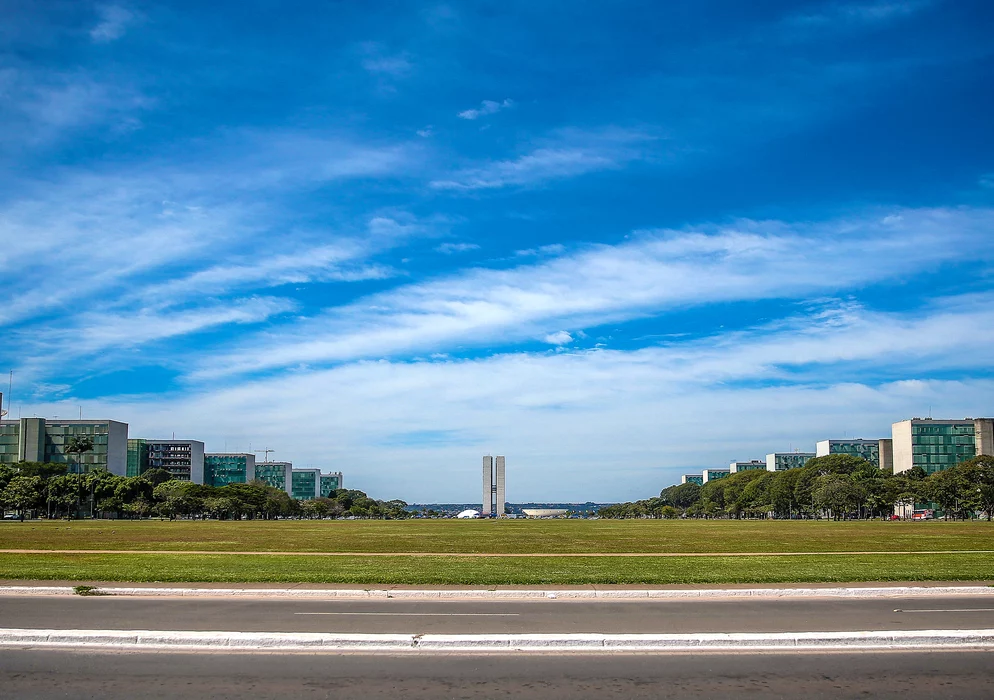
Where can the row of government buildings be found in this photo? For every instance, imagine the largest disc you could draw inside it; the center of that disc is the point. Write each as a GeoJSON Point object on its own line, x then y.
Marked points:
{"type": "Point", "coordinates": [46, 439]}
{"type": "Point", "coordinates": [931, 444]}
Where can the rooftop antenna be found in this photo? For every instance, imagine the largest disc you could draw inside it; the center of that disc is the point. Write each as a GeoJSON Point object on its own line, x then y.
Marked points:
{"type": "Point", "coordinates": [930, 411]}
{"type": "Point", "coordinates": [81, 413]}
{"type": "Point", "coordinates": [266, 451]}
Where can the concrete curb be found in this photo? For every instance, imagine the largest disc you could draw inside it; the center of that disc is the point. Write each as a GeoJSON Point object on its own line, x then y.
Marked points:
{"type": "Point", "coordinates": [263, 641]}
{"type": "Point", "coordinates": [488, 594]}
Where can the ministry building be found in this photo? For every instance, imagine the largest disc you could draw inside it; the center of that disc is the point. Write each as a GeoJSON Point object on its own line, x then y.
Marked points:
{"type": "Point", "coordinates": [46, 440]}
{"type": "Point", "coordinates": [934, 444]}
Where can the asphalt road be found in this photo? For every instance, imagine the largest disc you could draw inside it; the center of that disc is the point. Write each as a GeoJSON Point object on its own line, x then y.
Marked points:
{"type": "Point", "coordinates": [503, 617]}
{"type": "Point", "coordinates": [49, 674]}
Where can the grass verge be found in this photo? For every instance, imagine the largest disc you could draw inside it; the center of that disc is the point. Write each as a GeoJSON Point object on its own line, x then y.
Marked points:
{"type": "Point", "coordinates": [495, 571]}
{"type": "Point", "coordinates": [500, 537]}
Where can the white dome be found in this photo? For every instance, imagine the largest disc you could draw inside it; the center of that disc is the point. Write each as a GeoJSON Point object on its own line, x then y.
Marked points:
{"type": "Point", "coordinates": [469, 514]}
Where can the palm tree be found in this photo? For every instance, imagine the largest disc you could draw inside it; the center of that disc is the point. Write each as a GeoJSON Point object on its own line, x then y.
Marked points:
{"type": "Point", "coordinates": [77, 445]}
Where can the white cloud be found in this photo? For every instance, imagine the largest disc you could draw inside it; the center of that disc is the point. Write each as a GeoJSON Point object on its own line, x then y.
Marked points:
{"type": "Point", "coordinates": [93, 332]}
{"type": "Point", "coordinates": [559, 338]}
{"type": "Point", "coordinates": [654, 272]}
{"type": "Point", "coordinates": [114, 20]}
{"type": "Point", "coordinates": [486, 108]}
{"type": "Point", "coordinates": [627, 423]}
{"type": "Point", "coordinates": [551, 249]}
{"type": "Point", "coordinates": [450, 248]}
{"type": "Point", "coordinates": [569, 155]}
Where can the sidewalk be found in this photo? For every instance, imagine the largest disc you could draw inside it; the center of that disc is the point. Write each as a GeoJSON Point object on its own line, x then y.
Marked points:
{"type": "Point", "coordinates": [334, 591]}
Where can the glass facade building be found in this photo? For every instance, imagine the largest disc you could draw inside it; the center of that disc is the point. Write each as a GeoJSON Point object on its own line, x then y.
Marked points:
{"type": "Point", "coordinates": [736, 467]}
{"type": "Point", "coordinates": [330, 483]}
{"type": "Point", "coordinates": [782, 461]}
{"type": "Point", "coordinates": [864, 449]}
{"type": "Point", "coordinates": [275, 474]}
{"type": "Point", "coordinates": [713, 474]}
{"type": "Point", "coordinates": [692, 479]}
{"type": "Point", "coordinates": [137, 456]}
{"type": "Point", "coordinates": [935, 445]}
{"type": "Point", "coordinates": [9, 439]}
{"type": "Point", "coordinates": [221, 469]}
{"type": "Point", "coordinates": [304, 484]}
{"type": "Point", "coordinates": [47, 440]}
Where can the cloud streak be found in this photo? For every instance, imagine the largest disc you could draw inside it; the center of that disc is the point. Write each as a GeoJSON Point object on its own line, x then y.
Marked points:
{"type": "Point", "coordinates": [656, 272]}
{"type": "Point", "coordinates": [114, 21]}
{"type": "Point", "coordinates": [486, 108]}
{"type": "Point", "coordinates": [571, 154]}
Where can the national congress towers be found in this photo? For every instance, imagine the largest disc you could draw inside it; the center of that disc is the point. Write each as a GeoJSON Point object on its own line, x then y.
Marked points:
{"type": "Point", "coordinates": [493, 487]}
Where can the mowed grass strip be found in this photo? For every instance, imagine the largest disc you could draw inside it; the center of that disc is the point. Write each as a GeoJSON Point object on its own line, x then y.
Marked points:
{"type": "Point", "coordinates": [500, 536]}
{"type": "Point", "coordinates": [178, 567]}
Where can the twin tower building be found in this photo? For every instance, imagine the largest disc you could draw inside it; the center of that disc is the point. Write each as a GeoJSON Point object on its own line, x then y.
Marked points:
{"type": "Point", "coordinates": [494, 499]}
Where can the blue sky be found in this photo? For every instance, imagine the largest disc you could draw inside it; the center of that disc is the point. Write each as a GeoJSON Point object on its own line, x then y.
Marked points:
{"type": "Point", "coordinates": [613, 241]}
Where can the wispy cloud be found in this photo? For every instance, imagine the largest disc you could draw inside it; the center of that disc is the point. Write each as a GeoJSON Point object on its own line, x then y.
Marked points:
{"type": "Point", "coordinates": [604, 284]}
{"type": "Point", "coordinates": [858, 15]}
{"type": "Point", "coordinates": [486, 108]}
{"type": "Point", "coordinates": [114, 21]}
{"type": "Point", "coordinates": [623, 413]}
{"type": "Point", "coordinates": [570, 154]}
{"type": "Point", "coordinates": [451, 248]}
{"type": "Point", "coordinates": [43, 108]}
{"type": "Point", "coordinates": [550, 249]}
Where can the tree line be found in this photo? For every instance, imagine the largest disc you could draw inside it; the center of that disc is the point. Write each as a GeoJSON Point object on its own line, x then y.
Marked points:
{"type": "Point", "coordinates": [46, 489]}
{"type": "Point", "coordinates": [836, 486]}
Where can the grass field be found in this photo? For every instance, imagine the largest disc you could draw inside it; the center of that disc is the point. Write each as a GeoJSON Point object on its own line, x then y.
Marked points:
{"type": "Point", "coordinates": [491, 571]}
{"type": "Point", "coordinates": [501, 537]}
{"type": "Point", "coordinates": [174, 561]}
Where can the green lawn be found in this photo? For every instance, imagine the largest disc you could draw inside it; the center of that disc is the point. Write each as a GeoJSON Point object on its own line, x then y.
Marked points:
{"type": "Point", "coordinates": [501, 537]}
{"type": "Point", "coordinates": [488, 571]}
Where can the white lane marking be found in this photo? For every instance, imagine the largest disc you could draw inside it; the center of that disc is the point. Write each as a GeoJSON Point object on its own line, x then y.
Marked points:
{"type": "Point", "coordinates": [946, 610]}
{"type": "Point", "coordinates": [389, 614]}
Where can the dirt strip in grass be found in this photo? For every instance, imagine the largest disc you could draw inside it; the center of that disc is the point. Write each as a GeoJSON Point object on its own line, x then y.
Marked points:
{"type": "Point", "coordinates": [487, 571]}
{"type": "Point", "coordinates": [484, 554]}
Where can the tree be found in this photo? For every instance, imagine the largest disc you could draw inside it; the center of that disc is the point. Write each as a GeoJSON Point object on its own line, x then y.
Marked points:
{"type": "Point", "coordinates": [681, 495]}
{"type": "Point", "coordinates": [78, 445]}
{"type": "Point", "coordinates": [157, 476]}
{"type": "Point", "coordinates": [979, 471]}
{"type": "Point", "coordinates": [6, 474]}
{"type": "Point", "coordinates": [178, 498]}
{"type": "Point", "coordinates": [46, 470]}
{"type": "Point", "coordinates": [836, 493]}
{"type": "Point", "coordinates": [948, 489]}
{"type": "Point", "coordinates": [22, 493]}
{"type": "Point", "coordinates": [219, 507]}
